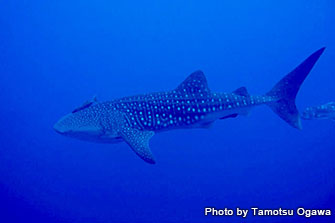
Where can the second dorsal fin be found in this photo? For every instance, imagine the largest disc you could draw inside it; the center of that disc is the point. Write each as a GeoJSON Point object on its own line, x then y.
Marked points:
{"type": "Point", "coordinates": [241, 91]}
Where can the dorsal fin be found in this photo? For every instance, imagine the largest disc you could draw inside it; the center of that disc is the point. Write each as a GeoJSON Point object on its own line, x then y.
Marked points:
{"type": "Point", "coordinates": [241, 91]}
{"type": "Point", "coordinates": [195, 83]}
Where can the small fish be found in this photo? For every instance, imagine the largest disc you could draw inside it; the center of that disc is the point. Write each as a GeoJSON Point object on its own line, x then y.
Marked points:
{"type": "Point", "coordinates": [192, 104]}
{"type": "Point", "coordinates": [325, 111]}
{"type": "Point", "coordinates": [86, 104]}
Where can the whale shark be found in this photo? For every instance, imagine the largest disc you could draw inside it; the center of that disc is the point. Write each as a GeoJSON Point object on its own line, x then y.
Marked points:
{"type": "Point", "coordinates": [192, 104]}
{"type": "Point", "coordinates": [325, 111]}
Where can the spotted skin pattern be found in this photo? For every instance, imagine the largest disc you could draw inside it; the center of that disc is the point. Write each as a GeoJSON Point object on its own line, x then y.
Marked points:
{"type": "Point", "coordinates": [325, 111]}
{"type": "Point", "coordinates": [175, 109]}
{"type": "Point", "coordinates": [135, 119]}
{"type": "Point", "coordinates": [191, 104]}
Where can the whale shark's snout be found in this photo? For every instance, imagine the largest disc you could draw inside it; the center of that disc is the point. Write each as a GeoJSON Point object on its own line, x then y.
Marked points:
{"type": "Point", "coordinates": [58, 128]}
{"type": "Point", "coordinates": [77, 125]}
{"type": "Point", "coordinates": [61, 126]}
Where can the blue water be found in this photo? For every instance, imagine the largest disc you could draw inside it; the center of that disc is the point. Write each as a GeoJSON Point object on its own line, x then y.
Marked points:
{"type": "Point", "coordinates": [54, 55]}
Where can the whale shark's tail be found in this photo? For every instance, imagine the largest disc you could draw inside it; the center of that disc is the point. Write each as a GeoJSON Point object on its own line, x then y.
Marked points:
{"type": "Point", "coordinates": [287, 88]}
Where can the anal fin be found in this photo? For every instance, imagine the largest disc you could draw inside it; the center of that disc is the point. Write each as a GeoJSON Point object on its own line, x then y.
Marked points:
{"type": "Point", "coordinates": [206, 125]}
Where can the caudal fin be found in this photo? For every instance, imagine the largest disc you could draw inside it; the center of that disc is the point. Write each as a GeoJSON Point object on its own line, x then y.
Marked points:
{"type": "Point", "coordinates": [287, 88]}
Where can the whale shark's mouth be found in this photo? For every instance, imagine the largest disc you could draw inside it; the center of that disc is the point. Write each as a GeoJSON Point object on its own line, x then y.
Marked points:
{"type": "Point", "coordinates": [57, 129]}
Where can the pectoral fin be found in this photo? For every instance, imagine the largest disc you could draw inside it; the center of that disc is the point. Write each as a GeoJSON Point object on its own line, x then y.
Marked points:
{"type": "Point", "coordinates": [139, 141]}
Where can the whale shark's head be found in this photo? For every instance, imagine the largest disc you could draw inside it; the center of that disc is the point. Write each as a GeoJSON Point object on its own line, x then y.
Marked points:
{"type": "Point", "coordinates": [82, 125]}
{"type": "Point", "coordinates": [89, 122]}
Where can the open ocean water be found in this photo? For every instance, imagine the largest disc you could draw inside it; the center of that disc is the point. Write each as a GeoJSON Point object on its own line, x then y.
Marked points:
{"type": "Point", "coordinates": [54, 55]}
